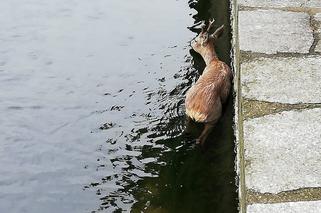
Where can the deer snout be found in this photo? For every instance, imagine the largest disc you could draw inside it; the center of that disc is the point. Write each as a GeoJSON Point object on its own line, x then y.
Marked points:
{"type": "Point", "coordinates": [193, 44]}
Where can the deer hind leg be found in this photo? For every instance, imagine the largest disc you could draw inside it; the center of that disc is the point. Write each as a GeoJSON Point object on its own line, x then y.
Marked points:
{"type": "Point", "coordinates": [188, 125]}
{"type": "Point", "coordinates": [207, 130]}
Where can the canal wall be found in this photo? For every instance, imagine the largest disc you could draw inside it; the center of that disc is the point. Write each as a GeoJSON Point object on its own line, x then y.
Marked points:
{"type": "Point", "coordinates": [277, 64]}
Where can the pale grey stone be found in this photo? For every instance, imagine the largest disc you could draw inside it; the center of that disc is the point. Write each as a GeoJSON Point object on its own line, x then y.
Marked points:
{"type": "Point", "coordinates": [318, 47]}
{"type": "Point", "coordinates": [271, 3]}
{"type": "Point", "coordinates": [283, 80]}
{"type": "Point", "coordinates": [272, 31]}
{"type": "Point", "coordinates": [280, 3]}
{"type": "Point", "coordinates": [290, 207]}
{"type": "Point", "coordinates": [312, 3]}
{"type": "Point", "coordinates": [317, 17]}
{"type": "Point", "coordinates": [282, 151]}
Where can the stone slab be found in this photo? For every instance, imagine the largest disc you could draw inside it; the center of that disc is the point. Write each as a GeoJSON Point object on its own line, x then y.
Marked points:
{"type": "Point", "coordinates": [291, 207]}
{"type": "Point", "coordinates": [280, 3]}
{"type": "Point", "coordinates": [272, 31]}
{"type": "Point", "coordinates": [282, 151]}
{"type": "Point", "coordinates": [283, 80]}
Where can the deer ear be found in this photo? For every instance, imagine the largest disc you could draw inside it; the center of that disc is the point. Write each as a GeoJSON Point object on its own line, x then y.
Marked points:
{"type": "Point", "coordinates": [218, 32]}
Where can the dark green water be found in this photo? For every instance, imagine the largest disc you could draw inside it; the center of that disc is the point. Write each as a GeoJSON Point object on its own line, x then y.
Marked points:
{"type": "Point", "coordinates": [92, 113]}
{"type": "Point", "coordinates": [169, 173]}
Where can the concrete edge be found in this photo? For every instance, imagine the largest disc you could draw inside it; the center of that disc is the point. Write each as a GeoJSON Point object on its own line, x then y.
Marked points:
{"type": "Point", "coordinates": [238, 120]}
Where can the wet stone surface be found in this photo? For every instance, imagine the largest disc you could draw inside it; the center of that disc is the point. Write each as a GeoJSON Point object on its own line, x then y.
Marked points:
{"type": "Point", "coordinates": [282, 151]}
{"type": "Point", "coordinates": [291, 207]}
{"type": "Point", "coordinates": [273, 31]}
{"type": "Point", "coordinates": [283, 80]}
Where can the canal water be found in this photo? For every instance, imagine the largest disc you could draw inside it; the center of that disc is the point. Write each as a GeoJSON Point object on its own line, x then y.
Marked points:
{"type": "Point", "coordinates": [92, 108]}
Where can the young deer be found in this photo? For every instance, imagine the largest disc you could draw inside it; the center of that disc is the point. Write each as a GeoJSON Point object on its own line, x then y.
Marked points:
{"type": "Point", "coordinates": [204, 99]}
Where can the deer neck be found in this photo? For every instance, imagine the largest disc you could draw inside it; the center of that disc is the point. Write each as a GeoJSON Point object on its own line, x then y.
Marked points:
{"type": "Point", "coordinates": [209, 54]}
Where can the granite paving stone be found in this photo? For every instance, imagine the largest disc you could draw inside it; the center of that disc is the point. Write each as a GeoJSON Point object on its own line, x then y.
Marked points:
{"type": "Point", "coordinates": [290, 207]}
{"type": "Point", "coordinates": [273, 31]}
{"type": "Point", "coordinates": [284, 80]}
{"type": "Point", "coordinates": [282, 151]}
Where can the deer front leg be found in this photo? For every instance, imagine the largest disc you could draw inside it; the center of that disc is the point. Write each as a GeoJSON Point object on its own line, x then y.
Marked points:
{"type": "Point", "coordinates": [207, 130]}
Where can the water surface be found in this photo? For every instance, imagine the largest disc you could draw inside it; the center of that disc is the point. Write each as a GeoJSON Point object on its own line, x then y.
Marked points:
{"type": "Point", "coordinates": [92, 111]}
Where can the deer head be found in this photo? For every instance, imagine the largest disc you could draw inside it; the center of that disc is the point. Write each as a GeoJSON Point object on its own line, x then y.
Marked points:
{"type": "Point", "coordinates": [205, 39]}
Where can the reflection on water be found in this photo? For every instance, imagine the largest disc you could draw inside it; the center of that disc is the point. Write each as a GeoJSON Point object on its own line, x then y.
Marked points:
{"type": "Point", "coordinates": [155, 168]}
{"type": "Point", "coordinates": [92, 111]}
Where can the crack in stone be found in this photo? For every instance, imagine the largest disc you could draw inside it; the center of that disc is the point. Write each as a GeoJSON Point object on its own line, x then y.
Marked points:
{"type": "Point", "coordinates": [316, 38]}
{"type": "Point", "coordinates": [309, 10]}
{"type": "Point", "coordinates": [247, 56]}
{"type": "Point", "coordinates": [303, 194]}
{"type": "Point", "coordinates": [255, 108]}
